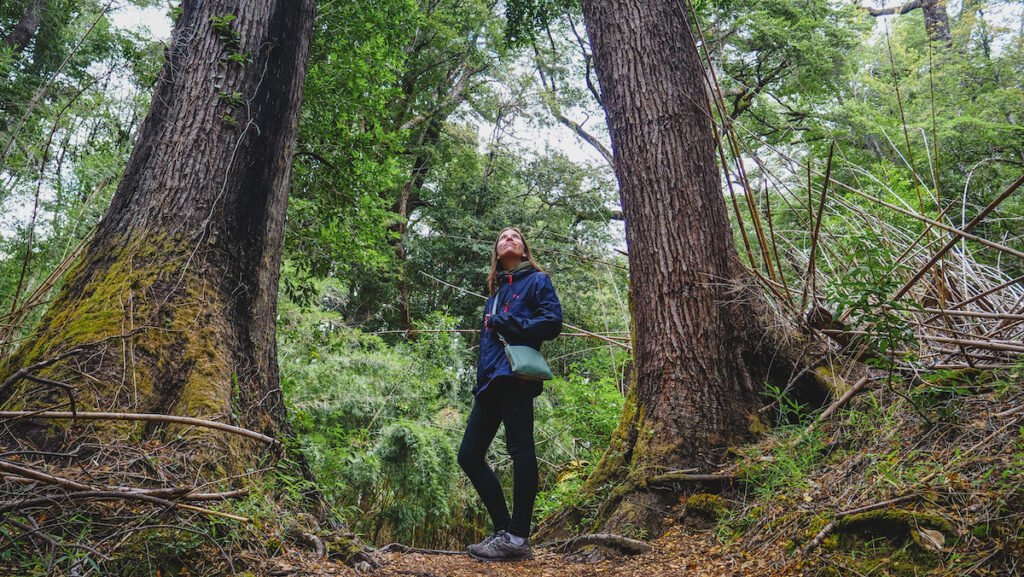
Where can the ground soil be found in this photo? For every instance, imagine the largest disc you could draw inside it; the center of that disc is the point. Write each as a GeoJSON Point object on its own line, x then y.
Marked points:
{"type": "Point", "coordinates": [678, 552]}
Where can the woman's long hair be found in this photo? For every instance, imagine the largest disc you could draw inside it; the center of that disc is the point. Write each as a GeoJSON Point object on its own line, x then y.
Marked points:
{"type": "Point", "coordinates": [496, 268]}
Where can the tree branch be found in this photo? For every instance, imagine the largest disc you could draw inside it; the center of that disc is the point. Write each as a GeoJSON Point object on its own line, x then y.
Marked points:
{"type": "Point", "coordinates": [143, 417]}
{"type": "Point", "coordinates": [908, 7]}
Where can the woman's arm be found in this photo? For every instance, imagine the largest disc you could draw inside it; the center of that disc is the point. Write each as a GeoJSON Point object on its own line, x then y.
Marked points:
{"type": "Point", "coordinates": [546, 322]}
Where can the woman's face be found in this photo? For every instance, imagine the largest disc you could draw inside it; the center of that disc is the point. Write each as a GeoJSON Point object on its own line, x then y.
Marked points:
{"type": "Point", "coordinates": [510, 244]}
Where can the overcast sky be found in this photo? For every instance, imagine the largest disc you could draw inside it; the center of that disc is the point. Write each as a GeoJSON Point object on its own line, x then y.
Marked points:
{"type": "Point", "coordinates": [155, 19]}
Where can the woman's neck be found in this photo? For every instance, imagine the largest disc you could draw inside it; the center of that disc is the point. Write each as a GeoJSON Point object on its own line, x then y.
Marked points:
{"type": "Point", "coordinates": [510, 263]}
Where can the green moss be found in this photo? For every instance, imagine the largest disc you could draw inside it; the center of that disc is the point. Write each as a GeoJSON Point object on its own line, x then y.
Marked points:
{"type": "Point", "coordinates": [175, 359]}
{"type": "Point", "coordinates": [982, 531]}
{"type": "Point", "coordinates": [706, 505]}
{"type": "Point", "coordinates": [888, 538]}
{"type": "Point", "coordinates": [893, 520]}
{"type": "Point", "coordinates": [342, 547]}
{"type": "Point", "coordinates": [830, 381]}
{"type": "Point", "coordinates": [757, 425]}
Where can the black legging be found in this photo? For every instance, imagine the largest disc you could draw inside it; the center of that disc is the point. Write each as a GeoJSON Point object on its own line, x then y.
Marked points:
{"type": "Point", "coordinates": [511, 403]}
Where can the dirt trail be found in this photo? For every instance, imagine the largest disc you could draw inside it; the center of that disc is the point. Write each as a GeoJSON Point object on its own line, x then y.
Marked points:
{"type": "Point", "coordinates": [676, 553]}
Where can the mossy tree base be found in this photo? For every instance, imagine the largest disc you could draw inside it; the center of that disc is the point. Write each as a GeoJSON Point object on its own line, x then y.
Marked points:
{"type": "Point", "coordinates": [172, 306]}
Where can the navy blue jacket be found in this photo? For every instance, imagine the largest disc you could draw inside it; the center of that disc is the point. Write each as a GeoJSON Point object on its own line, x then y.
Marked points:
{"type": "Point", "coordinates": [529, 299]}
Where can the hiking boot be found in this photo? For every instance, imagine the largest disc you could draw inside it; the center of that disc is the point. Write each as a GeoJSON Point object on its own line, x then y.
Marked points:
{"type": "Point", "coordinates": [475, 547]}
{"type": "Point", "coordinates": [499, 547]}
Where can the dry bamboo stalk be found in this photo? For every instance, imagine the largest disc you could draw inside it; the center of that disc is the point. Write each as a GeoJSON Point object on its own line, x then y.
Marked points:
{"type": "Point", "coordinates": [955, 366]}
{"type": "Point", "coordinates": [775, 248]}
{"type": "Point", "coordinates": [206, 511]}
{"type": "Point", "coordinates": [977, 314]}
{"type": "Point", "coordinates": [992, 356]}
{"type": "Point", "coordinates": [978, 297]}
{"type": "Point", "coordinates": [1007, 324]}
{"type": "Point", "coordinates": [712, 84]}
{"type": "Point", "coordinates": [914, 215]}
{"type": "Point", "coordinates": [780, 184]}
{"type": "Point", "coordinates": [809, 281]}
{"type": "Point", "coordinates": [732, 193]}
{"type": "Point", "coordinates": [990, 345]}
{"type": "Point", "coordinates": [966, 228]}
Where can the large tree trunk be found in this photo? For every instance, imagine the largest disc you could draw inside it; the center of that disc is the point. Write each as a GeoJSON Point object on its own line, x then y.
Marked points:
{"type": "Point", "coordinates": [692, 393]}
{"type": "Point", "coordinates": [174, 300]}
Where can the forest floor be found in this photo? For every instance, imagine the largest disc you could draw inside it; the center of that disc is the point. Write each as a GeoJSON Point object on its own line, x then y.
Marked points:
{"type": "Point", "coordinates": [677, 552]}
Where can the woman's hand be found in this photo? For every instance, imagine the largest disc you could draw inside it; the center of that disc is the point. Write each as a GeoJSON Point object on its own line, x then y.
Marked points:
{"type": "Point", "coordinates": [508, 326]}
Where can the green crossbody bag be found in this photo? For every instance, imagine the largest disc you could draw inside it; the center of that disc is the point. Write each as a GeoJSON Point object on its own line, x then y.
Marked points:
{"type": "Point", "coordinates": [526, 361]}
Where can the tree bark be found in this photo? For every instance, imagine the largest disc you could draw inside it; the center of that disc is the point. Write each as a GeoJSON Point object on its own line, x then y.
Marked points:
{"type": "Point", "coordinates": [22, 33]}
{"type": "Point", "coordinates": [174, 300]}
{"type": "Point", "coordinates": [692, 392]}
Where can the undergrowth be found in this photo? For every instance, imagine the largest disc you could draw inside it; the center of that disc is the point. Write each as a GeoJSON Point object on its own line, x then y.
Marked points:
{"type": "Point", "coordinates": [131, 539]}
{"type": "Point", "coordinates": [380, 423]}
{"type": "Point", "coordinates": [917, 476]}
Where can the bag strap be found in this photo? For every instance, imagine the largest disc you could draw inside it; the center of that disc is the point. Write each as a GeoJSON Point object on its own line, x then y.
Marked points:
{"type": "Point", "coordinates": [494, 311]}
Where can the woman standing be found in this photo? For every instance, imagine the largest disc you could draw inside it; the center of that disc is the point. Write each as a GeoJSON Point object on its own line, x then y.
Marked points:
{"type": "Point", "coordinates": [526, 312]}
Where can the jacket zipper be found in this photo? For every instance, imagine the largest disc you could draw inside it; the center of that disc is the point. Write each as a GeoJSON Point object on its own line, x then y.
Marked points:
{"type": "Point", "coordinates": [505, 306]}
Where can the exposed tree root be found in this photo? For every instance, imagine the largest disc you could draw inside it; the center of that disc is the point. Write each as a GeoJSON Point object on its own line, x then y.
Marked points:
{"type": "Point", "coordinates": [623, 544]}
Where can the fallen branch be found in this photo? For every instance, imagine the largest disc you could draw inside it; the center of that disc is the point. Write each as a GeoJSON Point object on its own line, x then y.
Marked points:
{"type": "Point", "coordinates": [839, 403]}
{"type": "Point", "coordinates": [143, 417]}
{"type": "Point", "coordinates": [26, 474]}
{"type": "Point", "coordinates": [39, 476]}
{"type": "Point", "coordinates": [1009, 412]}
{"type": "Point", "coordinates": [23, 372]}
{"type": "Point", "coordinates": [5, 507]}
{"type": "Point", "coordinates": [681, 477]}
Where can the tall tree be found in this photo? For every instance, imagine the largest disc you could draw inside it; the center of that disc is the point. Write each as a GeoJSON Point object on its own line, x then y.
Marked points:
{"type": "Point", "coordinates": [375, 148]}
{"type": "Point", "coordinates": [171, 309]}
{"type": "Point", "coordinates": [696, 375]}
